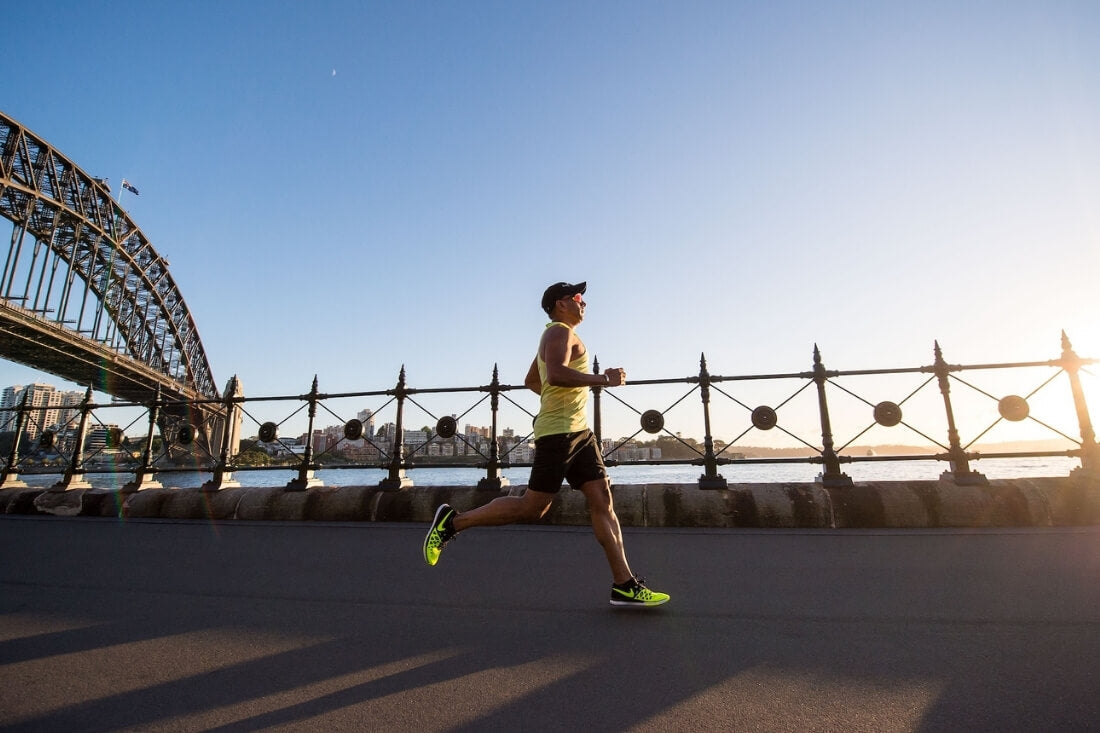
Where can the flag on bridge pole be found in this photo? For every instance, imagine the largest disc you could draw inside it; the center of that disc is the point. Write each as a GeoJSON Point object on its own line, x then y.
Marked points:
{"type": "Point", "coordinates": [129, 187]}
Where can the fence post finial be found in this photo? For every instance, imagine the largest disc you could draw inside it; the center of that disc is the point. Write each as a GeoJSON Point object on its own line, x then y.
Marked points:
{"type": "Point", "coordinates": [306, 478]}
{"type": "Point", "coordinates": [493, 481]}
{"type": "Point", "coordinates": [9, 477]}
{"type": "Point", "coordinates": [397, 478]}
{"type": "Point", "coordinates": [1090, 451]}
{"type": "Point", "coordinates": [597, 414]}
{"type": "Point", "coordinates": [74, 475]}
{"type": "Point", "coordinates": [710, 479]}
{"type": "Point", "coordinates": [144, 476]}
{"type": "Point", "coordinates": [957, 458]}
{"type": "Point", "coordinates": [831, 475]}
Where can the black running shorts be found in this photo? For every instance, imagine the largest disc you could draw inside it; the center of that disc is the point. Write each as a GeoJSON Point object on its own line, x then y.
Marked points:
{"type": "Point", "coordinates": [574, 457]}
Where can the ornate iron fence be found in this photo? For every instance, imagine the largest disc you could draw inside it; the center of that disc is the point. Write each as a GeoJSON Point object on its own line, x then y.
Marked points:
{"type": "Point", "coordinates": [87, 443]}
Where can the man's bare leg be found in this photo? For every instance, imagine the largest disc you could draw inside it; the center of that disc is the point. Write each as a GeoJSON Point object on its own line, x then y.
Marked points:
{"type": "Point", "coordinates": [605, 523]}
{"type": "Point", "coordinates": [528, 506]}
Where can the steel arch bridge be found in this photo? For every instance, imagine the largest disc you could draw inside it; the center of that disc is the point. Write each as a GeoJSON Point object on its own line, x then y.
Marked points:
{"type": "Point", "coordinates": [88, 298]}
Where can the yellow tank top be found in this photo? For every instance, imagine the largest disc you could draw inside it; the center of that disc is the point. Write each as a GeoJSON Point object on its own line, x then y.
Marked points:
{"type": "Point", "coordinates": [561, 409]}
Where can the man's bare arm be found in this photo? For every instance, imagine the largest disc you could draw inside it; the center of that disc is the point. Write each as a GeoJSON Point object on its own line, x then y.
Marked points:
{"type": "Point", "coordinates": [533, 382]}
{"type": "Point", "coordinates": [556, 346]}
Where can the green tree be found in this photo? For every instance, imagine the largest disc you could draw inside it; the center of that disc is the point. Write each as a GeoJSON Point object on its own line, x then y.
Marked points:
{"type": "Point", "coordinates": [253, 457]}
{"type": "Point", "coordinates": [679, 448]}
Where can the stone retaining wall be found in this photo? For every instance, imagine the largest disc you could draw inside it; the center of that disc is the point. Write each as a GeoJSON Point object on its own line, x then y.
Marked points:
{"type": "Point", "coordinates": [1033, 502]}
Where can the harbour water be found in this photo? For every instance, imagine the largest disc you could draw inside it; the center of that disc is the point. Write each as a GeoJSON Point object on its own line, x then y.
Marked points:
{"type": "Point", "coordinates": [926, 470]}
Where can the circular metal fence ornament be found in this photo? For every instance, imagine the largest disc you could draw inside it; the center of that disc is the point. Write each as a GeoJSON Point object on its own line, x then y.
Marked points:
{"type": "Point", "coordinates": [764, 418]}
{"type": "Point", "coordinates": [46, 440]}
{"type": "Point", "coordinates": [446, 427]}
{"type": "Point", "coordinates": [888, 414]}
{"type": "Point", "coordinates": [185, 435]}
{"type": "Point", "coordinates": [269, 431]}
{"type": "Point", "coordinates": [1013, 408]}
{"type": "Point", "coordinates": [653, 421]}
{"type": "Point", "coordinates": [353, 429]}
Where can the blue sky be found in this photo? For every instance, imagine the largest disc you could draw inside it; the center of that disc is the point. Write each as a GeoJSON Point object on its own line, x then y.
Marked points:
{"type": "Point", "coordinates": [345, 187]}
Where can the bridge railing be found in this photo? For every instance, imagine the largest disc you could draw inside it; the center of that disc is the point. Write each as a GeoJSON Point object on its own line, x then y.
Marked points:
{"type": "Point", "coordinates": [174, 436]}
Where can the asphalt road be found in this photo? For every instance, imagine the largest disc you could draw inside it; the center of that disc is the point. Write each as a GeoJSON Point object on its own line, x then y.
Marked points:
{"type": "Point", "coordinates": [182, 626]}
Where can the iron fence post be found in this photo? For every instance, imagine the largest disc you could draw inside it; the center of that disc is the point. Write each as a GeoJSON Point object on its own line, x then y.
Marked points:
{"type": "Point", "coordinates": [306, 479]}
{"type": "Point", "coordinates": [9, 478]}
{"type": "Point", "coordinates": [710, 478]}
{"type": "Point", "coordinates": [597, 418]}
{"type": "Point", "coordinates": [223, 474]}
{"type": "Point", "coordinates": [597, 426]}
{"type": "Point", "coordinates": [958, 460]}
{"type": "Point", "coordinates": [1090, 451]}
{"type": "Point", "coordinates": [397, 478]}
{"type": "Point", "coordinates": [493, 481]}
{"type": "Point", "coordinates": [74, 475]}
{"type": "Point", "coordinates": [143, 477]}
{"type": "Point", "coordinates": [831, 475]}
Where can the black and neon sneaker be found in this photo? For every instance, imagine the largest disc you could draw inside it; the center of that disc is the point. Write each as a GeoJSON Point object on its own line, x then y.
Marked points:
{"type": "Point", "coordinates": [633, 593]}
{"type": "Point", "coordinates": [441, 532]}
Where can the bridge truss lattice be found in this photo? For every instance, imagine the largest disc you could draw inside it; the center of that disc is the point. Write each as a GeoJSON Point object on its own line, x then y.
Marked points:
{"type": "Point", "coordinates": [89, 269]}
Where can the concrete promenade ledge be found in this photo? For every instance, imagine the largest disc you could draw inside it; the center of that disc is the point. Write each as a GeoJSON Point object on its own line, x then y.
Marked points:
{"type": "Point", "coordinates": [1023, 502]}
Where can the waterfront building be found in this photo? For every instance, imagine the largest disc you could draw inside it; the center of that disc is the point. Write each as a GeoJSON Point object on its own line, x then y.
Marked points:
{"type": "Point", "coordinates": [519, 452]}
{"type": "Point", "coordinates": [103, 438]}
{"type": "Point", "coordinates": [473, 432]}
{"type": "Point", "coordinates": [414, 439]}
{"type": "Point", "coordinates": [367, 418]}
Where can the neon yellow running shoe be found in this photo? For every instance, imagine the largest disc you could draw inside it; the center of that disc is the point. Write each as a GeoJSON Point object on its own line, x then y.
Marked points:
{"type": "Point", "coordinates": [440, 534]}
{"type": "Point", "coordinates": [634, 594]}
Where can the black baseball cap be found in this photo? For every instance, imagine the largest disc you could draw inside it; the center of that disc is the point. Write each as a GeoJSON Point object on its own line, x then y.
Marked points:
{"type": "Point", "coordinates": [557, 291]}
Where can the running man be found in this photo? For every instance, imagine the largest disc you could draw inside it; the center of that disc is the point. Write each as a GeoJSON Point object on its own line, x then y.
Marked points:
{"type": "Point", "coordinates": [565, 450]}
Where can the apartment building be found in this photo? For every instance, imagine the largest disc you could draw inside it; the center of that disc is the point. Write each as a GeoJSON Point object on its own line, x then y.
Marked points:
{"type": "Point", "coordinates": [53, 408]}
